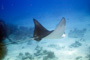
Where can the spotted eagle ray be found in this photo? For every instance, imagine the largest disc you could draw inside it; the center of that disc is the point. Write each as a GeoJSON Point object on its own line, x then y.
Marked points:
{"type": "Point", "coordinates": [41, 32]}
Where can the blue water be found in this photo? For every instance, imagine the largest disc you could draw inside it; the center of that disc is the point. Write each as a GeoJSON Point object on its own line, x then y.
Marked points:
{"type": "Point", "coordinates": [43, 10]}
{"type": "Point", "coordinates": [75, 46]}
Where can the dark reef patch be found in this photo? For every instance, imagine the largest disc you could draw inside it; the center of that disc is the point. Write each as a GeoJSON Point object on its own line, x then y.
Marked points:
{"type": "Point", "coordinates": [50, 56]}
{"type": "Point", "coordinates": [19, 32]}
{"type": "Point", "coordinates": [88, 56]}
{"type": "Point", "coordinates": [79, 58]}
{"type": "Point", "coordinates": [76, 33]}
{"type": "Point", "coordinates": [76, 44]}
{"type": "Point", "coordinates": [39, 54]}
{"type": "Point", "coordinates": [25, 56]}
{"type": "Point", "coordinates": [56, 46]}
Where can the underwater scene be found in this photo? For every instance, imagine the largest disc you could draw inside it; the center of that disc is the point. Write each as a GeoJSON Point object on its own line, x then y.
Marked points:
{"type": "Point", "coordinates": [44, 29]}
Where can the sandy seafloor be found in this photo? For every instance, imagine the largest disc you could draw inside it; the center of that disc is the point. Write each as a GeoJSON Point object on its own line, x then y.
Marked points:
{"type": "Point", "coordinates": [74, 46]}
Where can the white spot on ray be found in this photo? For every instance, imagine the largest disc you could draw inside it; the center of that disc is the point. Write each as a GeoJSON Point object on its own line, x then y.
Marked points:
{"type": "Point", "coordinates": [63, 35]}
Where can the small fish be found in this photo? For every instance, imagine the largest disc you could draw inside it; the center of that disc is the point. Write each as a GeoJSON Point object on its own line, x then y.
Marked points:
{"type": "Point", "coordinates": [41, 32]}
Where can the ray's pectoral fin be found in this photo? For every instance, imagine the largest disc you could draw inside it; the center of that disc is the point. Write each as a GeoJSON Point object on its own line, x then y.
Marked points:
{"type": "Point", "coordinates": [39, 31]}
{"type": "Point", "coordinates": [59, 31]}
